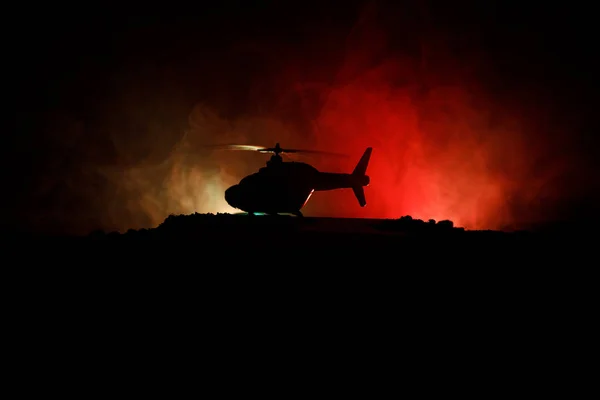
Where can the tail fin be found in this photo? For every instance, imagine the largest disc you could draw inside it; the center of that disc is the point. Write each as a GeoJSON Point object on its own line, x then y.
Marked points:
{"type": "Point", "coordinates": [361, 167]}
{"type": "Point", "coordinates": [360, 195]}
{"type": "Point", "coordinates": [361, 178]}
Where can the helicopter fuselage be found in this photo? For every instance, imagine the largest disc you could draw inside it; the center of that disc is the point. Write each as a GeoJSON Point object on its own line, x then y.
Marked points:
{"type": "Point", "coordinates": [286, 187]}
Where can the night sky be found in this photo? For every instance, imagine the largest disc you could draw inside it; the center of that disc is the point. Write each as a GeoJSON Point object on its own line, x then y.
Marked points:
{"type": "Point", "coordinates": [479, 112]}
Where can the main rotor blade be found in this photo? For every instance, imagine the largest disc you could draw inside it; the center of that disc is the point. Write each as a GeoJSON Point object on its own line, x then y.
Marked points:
{"type": "Point", "coordinates": [241, 147]}
{"type": "Point", "coordinates": [262, 149]}
{"type": "Point", "coordinates": [327, 153]}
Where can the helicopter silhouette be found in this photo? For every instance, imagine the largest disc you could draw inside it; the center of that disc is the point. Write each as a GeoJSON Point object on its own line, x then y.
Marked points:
{"type": "Point", "coordinates": [284, 187]}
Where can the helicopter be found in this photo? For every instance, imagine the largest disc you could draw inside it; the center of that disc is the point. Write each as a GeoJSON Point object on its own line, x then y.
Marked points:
{"type": "Point", "coordinates": [284, 187]}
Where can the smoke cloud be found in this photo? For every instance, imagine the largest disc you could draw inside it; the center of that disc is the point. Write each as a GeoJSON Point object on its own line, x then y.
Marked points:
{"type": "Point", "coordinates": [444, 146]}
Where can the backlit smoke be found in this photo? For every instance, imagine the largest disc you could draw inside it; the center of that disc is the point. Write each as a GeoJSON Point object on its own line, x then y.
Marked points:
{"type": "Point", "coordinates": [193, 177]}
{"type": "Point", "coordinates": [443, 149]}
{"type": "Point", "coordinates": [444, 146]}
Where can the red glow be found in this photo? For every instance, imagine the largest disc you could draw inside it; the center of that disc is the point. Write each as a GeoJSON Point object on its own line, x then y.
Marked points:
{"type": "Point", "coordinates": [429, 168]}
{"type": "Point", "coordinates": [441, 148]}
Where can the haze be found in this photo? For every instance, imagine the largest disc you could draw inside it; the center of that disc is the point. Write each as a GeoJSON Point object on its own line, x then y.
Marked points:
{"type": "Point", "coordinates": [448, 144]}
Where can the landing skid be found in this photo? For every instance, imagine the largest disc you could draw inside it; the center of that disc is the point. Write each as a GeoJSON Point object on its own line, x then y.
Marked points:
{"type": "Point", "coordinates": [298, 214]}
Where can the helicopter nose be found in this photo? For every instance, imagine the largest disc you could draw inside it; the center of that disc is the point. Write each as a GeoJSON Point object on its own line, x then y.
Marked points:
{"type": "Point", "coordinates": [231, 195]}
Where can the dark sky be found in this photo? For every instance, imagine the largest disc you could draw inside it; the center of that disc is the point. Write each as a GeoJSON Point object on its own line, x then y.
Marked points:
{"type": "Point", "coordinates": [100, 96]}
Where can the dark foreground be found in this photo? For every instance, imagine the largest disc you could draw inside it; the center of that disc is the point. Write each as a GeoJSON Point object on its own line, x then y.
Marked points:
{"type": "Point", "coordinates": [198, 254]}
{"type": "Point", "coordinates": [397, 298]}
{"type": "Point", "coordinates": [233, 240]}
{"type": "Point", "coordinates": [283, 250]}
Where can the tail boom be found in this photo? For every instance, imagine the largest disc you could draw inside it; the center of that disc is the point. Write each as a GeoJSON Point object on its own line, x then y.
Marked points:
{"type": "Point", "coordinates": [355, 181]}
